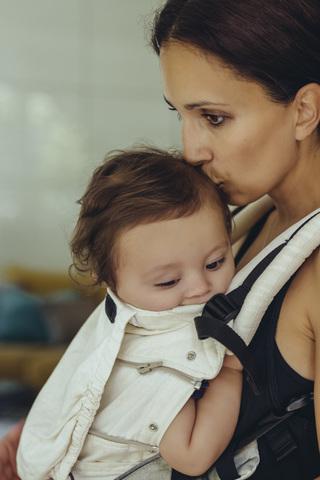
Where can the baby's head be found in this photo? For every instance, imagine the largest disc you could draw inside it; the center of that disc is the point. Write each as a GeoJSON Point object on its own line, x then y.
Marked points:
{"type": "Point", "coordinates": [147, 220]}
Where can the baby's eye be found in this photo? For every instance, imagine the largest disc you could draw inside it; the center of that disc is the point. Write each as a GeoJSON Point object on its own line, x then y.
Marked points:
{"type": "Point", "coordinates": [214, 265]}
{"type": "Point", "coordinates": [170, 283]}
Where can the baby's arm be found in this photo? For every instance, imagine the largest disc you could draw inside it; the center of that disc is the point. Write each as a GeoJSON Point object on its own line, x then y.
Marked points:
{"type": "Point", "coordinates": [203, 429]}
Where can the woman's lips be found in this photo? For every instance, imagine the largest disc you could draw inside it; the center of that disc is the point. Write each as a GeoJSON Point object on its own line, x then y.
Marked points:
{"type": "Point", "coordinates": [218, 182]}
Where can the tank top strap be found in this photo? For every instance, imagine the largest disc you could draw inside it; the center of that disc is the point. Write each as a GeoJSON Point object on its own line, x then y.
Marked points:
{"type": "Point", "coordinates": [271, 344]}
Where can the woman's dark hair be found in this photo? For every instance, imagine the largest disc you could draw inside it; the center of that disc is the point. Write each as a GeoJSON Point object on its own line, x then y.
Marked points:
{"type": "Point", "coordinates": [133, 187]}
{"type": "Point", "coordinates": [275, 43]}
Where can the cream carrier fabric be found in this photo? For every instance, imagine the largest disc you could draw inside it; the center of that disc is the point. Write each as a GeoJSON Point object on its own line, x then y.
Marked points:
{"type": "Point", "coordinates": [74, 420]}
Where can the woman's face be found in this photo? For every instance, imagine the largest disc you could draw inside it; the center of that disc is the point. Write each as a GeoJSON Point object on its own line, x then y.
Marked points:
{"type": "Point", "coordinates": [244, 142]}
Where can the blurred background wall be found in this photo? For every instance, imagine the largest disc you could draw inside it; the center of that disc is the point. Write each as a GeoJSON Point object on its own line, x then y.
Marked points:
{"type": "Point", "coordinates": [76, 80]}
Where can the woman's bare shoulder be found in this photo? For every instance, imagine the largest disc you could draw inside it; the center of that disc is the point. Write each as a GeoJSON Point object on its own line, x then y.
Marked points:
{"type": "Point", "coordinates": [304, 292]}
{"type": "Point", "coordinates": [314, 316]}
{"type": "Point", "coordinates": [309, 280]}
{"type": "Point", "coordinates": [299, 321]}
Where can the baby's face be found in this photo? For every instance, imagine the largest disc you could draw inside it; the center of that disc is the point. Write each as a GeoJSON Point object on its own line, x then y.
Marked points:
{"type": "Point", "coordinates": [184, 261]}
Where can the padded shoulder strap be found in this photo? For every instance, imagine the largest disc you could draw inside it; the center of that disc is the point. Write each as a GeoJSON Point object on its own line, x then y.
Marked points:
{"type": "Point", "coordinates": [245, 218]}
{"type": "Point", "coordinates": [295, 245]}
{"type": "Point", "coordinates": [221, 309]}
{"type": "Point", "coordinates": [269, 274]}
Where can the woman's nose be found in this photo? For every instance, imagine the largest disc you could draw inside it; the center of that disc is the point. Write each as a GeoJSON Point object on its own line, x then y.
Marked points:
{"type": "Point", "coordinates": [196, 149]}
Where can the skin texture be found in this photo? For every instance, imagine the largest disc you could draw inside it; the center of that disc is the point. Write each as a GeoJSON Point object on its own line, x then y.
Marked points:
{"type": "Point", "coordinates": [259, 148]}
{"type": "Point", "coordinates": [204, 429]}
{"type": "Point", "coordinates": [229, 126]}
{"type": "Point", "coordinates": [8, 449]}
{"type": "Point", "coordinates": [184, 261]}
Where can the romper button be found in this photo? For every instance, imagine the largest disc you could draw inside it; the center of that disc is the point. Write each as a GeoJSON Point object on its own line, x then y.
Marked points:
{"type": "Point", "coordinates": [153, 427]}
{"type": "Point", "coordinates": [191, 355]}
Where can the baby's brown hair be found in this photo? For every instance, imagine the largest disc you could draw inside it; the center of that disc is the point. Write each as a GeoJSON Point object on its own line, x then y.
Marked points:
{"type": "Point", "coordinates": [133, 187]}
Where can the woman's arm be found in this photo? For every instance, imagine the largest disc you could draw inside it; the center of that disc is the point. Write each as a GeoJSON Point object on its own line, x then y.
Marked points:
{"type": "Point", "coordinates": [203, 428]}
{"type": "Point", "coordinates": [314, 316]}
{"type": "Point", "coordinates": [8, 450]}
{"type": "Point", "coordinates": [317, 378]}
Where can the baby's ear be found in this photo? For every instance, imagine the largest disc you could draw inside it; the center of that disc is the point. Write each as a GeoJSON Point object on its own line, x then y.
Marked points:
{"type": "Point", "coordinates": [308, 110]}
{"type": "Point", "coordinates": [94, 276]}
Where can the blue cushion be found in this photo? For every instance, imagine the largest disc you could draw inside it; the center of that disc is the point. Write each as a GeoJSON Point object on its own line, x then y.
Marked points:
{"type": "Point", "coordinates": [21, 317]}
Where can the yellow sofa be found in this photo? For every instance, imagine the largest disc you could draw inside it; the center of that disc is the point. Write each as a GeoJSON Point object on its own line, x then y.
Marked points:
{"type": "Point", "coordinates": [65, 307]}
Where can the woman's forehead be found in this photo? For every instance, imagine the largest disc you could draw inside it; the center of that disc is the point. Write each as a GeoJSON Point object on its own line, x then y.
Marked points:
{"type": "Point", "coordinates": [196, 80]}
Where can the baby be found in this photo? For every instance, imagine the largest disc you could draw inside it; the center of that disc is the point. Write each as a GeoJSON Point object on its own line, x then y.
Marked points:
{"type": "Point", "coordinates": [155, 231]}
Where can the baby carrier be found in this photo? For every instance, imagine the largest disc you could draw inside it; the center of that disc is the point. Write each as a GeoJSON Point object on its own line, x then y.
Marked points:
{"type": "Point", "coordinates": [249, 296]}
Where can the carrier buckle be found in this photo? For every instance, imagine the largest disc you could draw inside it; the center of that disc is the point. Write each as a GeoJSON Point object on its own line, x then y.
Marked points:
{"type": "Point", "coordinates": [300, 402]}
{"type": "Point", "coordinates": [221, 308]}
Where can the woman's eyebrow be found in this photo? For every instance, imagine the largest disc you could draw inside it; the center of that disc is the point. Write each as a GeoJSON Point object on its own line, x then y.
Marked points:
{"type": "Point", "coordinates": [167, 101]}
{"type": "Point", "coordinates": [204, 103]}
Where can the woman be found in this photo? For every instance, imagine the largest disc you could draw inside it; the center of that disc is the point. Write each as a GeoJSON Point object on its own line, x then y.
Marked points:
{"type": "Point", "coordinates": [244, 77]}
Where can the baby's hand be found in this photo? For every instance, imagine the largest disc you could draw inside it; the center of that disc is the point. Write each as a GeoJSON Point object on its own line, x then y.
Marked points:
{"type": "Point", "coordinates": [231, 361]}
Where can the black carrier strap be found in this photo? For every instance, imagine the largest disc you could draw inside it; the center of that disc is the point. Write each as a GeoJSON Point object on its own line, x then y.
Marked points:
{"type": "Point", "coordinates": [274, 427]}
{"type": "Point", "coordinates": [221, 309]}
{"type": "Point", "coordinates": [217, 313]}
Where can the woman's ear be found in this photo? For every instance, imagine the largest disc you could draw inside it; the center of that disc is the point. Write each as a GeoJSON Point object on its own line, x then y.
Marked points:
{"type": "Point", "coordinates": [308, 110]}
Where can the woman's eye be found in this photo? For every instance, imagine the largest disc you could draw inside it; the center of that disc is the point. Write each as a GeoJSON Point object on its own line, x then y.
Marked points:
{"type": "Point", "coordinates": [214, 265]}
{"type": "Point", "coordinates": [175, 110]}
{"type": "Point", "coordinates": [170, 283]}
{"type": "Point", "coordinates": [214, 120]}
